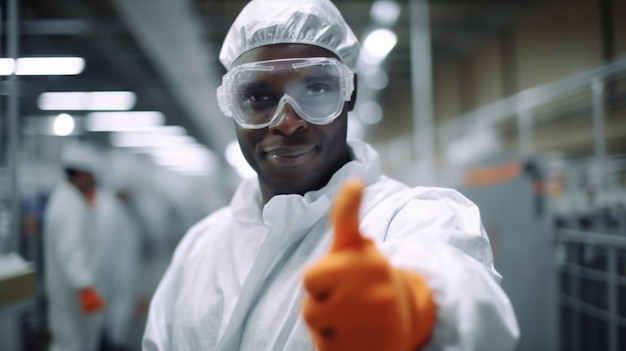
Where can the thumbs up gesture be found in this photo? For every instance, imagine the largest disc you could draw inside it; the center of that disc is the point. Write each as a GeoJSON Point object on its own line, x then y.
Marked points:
{"type": "Point", "coordinates": [356, 300]}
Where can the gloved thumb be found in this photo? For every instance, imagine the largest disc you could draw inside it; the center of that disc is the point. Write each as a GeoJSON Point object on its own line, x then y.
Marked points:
{"type": "Point", "coordinates": [345, 216]}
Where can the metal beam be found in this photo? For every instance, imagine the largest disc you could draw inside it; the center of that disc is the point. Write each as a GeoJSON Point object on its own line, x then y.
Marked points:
{"type": "Point", "coordinates": [422, 91]}
{"type": "Point", "coordinates": [12, 112]}
{"type": "Point", "coordinates": [171, 37]}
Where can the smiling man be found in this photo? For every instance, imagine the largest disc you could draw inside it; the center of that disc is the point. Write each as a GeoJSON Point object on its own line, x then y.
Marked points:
{"type": "Point", "coordinates": [281, 94]}
{"type": "Point", "coordinates": [408, 268]}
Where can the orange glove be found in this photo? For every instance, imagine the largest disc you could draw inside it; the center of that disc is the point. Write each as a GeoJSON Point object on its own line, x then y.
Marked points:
{"type": "Point", "coordinates": [357, 301]}
{"type": "Point", "coordinates": [90, 301]}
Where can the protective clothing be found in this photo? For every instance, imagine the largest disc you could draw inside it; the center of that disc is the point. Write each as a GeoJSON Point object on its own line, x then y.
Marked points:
{"type": "Point", "coordinates": [356, 300]}
{"type": "Point", "coordinates": [69, 267]}
{"type": "Point", "coordinates": [313, 22]}
{"type": "Point", "coordinates": [118, 255]}
{"type": "Point", "coordinates": [317, 89]}
{"type": "Point", "coordinates": [235, 281]}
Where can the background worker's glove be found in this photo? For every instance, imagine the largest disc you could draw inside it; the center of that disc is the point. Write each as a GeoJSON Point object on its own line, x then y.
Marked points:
{"type": "Point", "coordinates": [90, 300]}
{"type": "Point", "coordinates": [357, 300]}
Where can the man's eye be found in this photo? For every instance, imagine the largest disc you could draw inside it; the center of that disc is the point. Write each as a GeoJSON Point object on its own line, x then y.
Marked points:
{"type": "Point", "coordinates": [259, 97]}
{"type": "Point", "coordinates": [316, 89]}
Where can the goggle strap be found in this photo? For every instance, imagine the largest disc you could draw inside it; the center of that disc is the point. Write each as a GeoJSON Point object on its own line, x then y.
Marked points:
{"type": "Point", "coordinates": [349, 85]}
{"type": "Point", "coordinates": [222, 101]}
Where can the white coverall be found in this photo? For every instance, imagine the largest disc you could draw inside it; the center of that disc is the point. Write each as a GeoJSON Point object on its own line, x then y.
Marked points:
{"type": "Point", "coordinates": [235, 281]}
{"type": "Point", "coordinates": [118, 256]}
{"type": "Point", "coordinates": [69, 244]}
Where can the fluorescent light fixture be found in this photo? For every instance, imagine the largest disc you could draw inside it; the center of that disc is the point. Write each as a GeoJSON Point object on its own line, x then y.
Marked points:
{"type": "Point", "coordinates": [112, 100]}
{"type": "Point", "coordinates": [377, 45]}
{"type": "Point", "coordinates": [7, 66]}
{"type": "Point", "coordinates": [63, 125]}
{"type": "Point", "coordinates": [188, 159]}
{"type": "Point", "coordinates": [238, 161]}
{"type": "Point", "coordinates": [123, 121]}
{"type": "Point", "coordinates": [42, 66]}
{"type": "Point", "coordinates": [164, 130]}
{"type": "Point", "coordinates": [385, 12]}
{"type": "Point", "coordinates": [149, 140]}
{"type": "Point", "coordinates": [180, 155]}
{"type": "Point", "coordinates": [90, 101]}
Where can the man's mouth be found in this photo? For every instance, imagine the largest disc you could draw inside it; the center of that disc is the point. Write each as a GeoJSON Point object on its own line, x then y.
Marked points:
{"type": "Point", "coordinates": [290, 155]}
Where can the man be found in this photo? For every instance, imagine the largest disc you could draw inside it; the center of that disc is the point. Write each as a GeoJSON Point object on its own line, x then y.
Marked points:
{"type": "Point", "coordinates": [119, 253]}
{"type": "Point", "coordinates": [69, 246]}
{"type": "Point", "coordinates": [259, 275]}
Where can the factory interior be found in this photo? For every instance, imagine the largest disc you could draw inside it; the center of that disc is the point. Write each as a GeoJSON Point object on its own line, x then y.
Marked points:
{"type": "Point", "coordinates": [520, 105]}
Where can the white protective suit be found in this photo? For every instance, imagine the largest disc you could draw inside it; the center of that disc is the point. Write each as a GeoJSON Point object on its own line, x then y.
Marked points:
{"type": "Point", "coordinates": [69, 266]}
{"type": "Point", "coordinates": [118, 254]}
{"type": "Point", "coordinates": [235, 281]}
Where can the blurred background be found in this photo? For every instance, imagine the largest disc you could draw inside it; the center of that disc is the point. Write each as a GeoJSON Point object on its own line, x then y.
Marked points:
{"type": "Point", "coordinates": [519, 104]}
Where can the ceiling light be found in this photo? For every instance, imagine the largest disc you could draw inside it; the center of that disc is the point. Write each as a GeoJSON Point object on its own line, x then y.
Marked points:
{"type": "Point", "coordinates": [63, 125]}
{"type": "Point", "coordinates": [385, 12]}
{"type": "Point", "coordinates": [378, 45]}
{"type": "Point", "coordinates": [188, 159]}
{"type": "Point", "coordinates": [149, 140]}
{"type": "Point", "coordinates": [163, 130]}
{"type": "Point", "coordinates": [39, 66]}
{"type": "Point", "coordinates": [123, 121]}
{"type": "Point", "coordinates": [90, 101]}
{"type": "Point", "coordinates": [7, 66]}
{"type": "Point", "coordinates": [42, 66]}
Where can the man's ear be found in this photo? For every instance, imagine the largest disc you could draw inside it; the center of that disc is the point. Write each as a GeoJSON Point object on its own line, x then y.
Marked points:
{"type": "Point", "coordinates": [352, 101]}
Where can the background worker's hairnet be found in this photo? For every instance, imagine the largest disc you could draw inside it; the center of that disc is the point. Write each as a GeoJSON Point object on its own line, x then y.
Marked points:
{"type": "Point", "coordinates": [81, 157]}
{"type": "Point", "coordinates": [313, 22]}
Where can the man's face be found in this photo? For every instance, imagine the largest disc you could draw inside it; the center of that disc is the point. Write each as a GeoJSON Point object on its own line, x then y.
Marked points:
{"type": "Point", "coordinates": [292, 155]}
{"type": "Point", "coordinates": [84, 181]}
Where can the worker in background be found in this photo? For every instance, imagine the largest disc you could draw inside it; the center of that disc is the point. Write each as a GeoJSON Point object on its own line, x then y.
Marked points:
{"type": "Point", "coordinates": [401, 268]}
{"type": "Point", "coordinates": [118, 253]}
{"type": "Point", "coordinates": [74, 302]}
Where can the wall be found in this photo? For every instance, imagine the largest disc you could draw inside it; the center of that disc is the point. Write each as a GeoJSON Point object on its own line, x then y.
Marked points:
{"type": "Point", "coordinates": [484, 72]}
{"type": "Point", "coordinates": [550, 41]}
{"type": "Point", "coordinates": [558, 39]}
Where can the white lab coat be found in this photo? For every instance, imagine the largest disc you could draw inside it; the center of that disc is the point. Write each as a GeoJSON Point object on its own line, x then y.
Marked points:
{"type": "Point", "coordinates": [69, 246]}
{"type": "Point", "coordinates": [118, 255]}
{"type": "Point", "coordinates": [235, 281]}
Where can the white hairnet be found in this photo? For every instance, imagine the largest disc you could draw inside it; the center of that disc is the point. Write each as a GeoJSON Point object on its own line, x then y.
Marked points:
{"type": "Point", "coordinates": [313, 22]}
{"type": "Point", "coordinates": [81, 157]}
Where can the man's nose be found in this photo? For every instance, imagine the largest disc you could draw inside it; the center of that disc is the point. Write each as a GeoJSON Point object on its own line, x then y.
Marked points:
{"type": "Point", "coordinates": [288, 122]}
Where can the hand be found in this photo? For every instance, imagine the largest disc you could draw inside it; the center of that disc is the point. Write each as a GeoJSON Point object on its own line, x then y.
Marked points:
{"type": "Point", "coordinates": [90, 301]}
{"type": "Point", "coordinates": [356, 299]}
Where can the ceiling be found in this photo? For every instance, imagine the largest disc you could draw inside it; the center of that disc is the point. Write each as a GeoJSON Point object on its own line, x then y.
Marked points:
{"type": "Point", "coordinates": [166, 51]}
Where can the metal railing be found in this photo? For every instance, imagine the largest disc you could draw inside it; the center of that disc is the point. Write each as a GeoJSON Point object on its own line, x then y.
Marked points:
{"type": "Point", "coordinates": [592, 291]}
{"type": "Point", "coordinates": [521, 106]}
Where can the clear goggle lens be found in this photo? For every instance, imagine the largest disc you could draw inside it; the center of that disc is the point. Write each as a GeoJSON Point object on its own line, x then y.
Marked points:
{"type": "Point", "coordinates": [316, 88]}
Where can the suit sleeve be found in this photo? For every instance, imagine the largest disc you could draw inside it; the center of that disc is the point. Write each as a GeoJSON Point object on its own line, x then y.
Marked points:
{"type": "Point", "coordinates": [441, 238]}
{"type": "Point", "coordinates": [69, 242]}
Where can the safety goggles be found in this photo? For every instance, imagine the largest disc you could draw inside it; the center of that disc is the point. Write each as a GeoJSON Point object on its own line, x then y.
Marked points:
{"type": "Point", "coordinates": [316, 88]}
